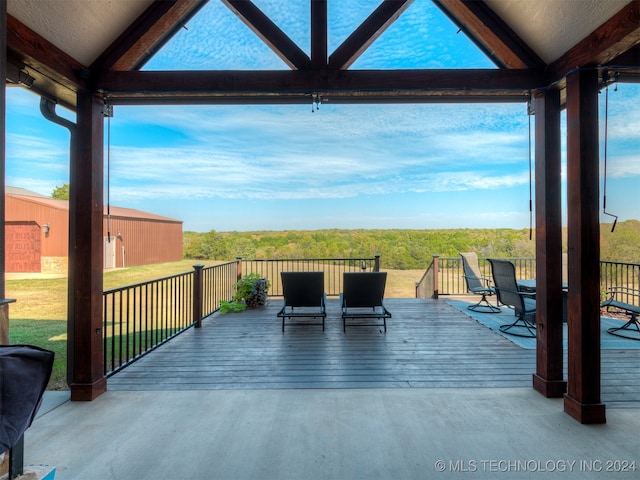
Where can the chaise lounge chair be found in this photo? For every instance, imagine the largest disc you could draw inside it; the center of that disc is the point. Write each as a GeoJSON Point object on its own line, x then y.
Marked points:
{"type": "Point", "coordinates": [304, 296]}
{"type": "Point", "coordinates": [523, 303]}
{"type": "Point", "coordinates": [362, 298]}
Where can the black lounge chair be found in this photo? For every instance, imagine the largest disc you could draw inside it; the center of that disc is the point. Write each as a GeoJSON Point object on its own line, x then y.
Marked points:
{"type": "Point", "coordinates": [523, 303]}
{"type": "Point", "coordinates": [303, 296]}
{"type": "Point", "coordinates": [362, 298]}
{"type": "Point", "coordinates": [477, 284]}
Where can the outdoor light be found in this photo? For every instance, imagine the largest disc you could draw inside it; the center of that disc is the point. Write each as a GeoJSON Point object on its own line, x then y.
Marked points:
{"type": "Point", "coordinates": [45, 229]}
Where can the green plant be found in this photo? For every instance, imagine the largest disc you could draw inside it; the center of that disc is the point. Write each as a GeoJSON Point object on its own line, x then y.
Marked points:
{"type": "Point", "coordinates": [251, 292]}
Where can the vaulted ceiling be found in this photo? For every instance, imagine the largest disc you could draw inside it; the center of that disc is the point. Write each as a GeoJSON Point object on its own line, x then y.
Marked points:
{"type": "Point", "coordinates": [61, 46]}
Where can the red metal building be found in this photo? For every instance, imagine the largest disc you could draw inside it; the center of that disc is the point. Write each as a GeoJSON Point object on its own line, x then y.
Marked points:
{"type": "Point", "coordinates": [37, 235]}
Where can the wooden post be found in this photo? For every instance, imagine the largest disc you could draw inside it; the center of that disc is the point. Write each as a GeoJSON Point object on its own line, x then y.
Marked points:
{"type": "Point", "coordinates": [549, 362]}
{"type": "Point", "coordinates": [84, 344]}
{"type": "Point", "coordinates": [376, 262]}
{"type": "Point", "coordinates": [436, 268]}
{"type": "Point", "coordinates": [239, 268]}
{"type": "Point", "coordinates": [197, 295]}
{"type": "Point", "coordinates": [582, 400]}
{"type": "Point", "coordinates": [3, 137]}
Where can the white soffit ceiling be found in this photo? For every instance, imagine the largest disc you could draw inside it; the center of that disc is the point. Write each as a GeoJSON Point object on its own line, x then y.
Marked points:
{"type": "Point", "coordinates": [551, 27]}
{"type": "Point", "coordinates": [81, 28]}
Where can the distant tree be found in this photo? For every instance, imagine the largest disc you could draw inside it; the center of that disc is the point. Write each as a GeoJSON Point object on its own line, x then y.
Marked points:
{"type": "Point", "coordinates": [61, 193]}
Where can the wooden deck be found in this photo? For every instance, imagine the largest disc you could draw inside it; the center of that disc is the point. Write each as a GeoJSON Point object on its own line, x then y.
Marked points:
{"type": "Point", "coordinates": [428, 344]}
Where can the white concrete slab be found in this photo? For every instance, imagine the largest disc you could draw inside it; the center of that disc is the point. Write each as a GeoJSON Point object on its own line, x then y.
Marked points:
{"type": "Point", "coordinates": [339, 434]}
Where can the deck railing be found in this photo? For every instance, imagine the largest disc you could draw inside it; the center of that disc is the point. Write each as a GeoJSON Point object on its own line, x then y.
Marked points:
{"type": "Point", "coordinates": [139, 318]}
{"type": "Point", "coordinates": [333, 269]}
{"type": "Point", "coordinates": [447, 273]}
{"type": "Point", "coordinates": [618, 274]}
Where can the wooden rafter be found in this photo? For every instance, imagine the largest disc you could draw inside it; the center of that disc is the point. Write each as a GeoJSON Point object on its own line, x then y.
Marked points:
{"type": "Point", "coordinates": [294, 86]}
{"type": "Point", "coordinates": [612, 39]}
{"type": "Point", "coordinates": [487, 30]}
{"type": "Point", "coordinates": [147, 34]}
{"type": "Point", "coordinates": [270, 33]}
{"type": "Point", "coordinates": [382, 17]}
{"type": "Point", "coordinates": [319, 34]}
{"type": "Point", "coordinates": [57, 75]}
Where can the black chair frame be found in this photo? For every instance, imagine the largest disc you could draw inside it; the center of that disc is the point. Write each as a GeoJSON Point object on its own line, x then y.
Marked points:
{"type": "Point", "coordinates": [303, 291]}
{"type": "Point", "coordinates": [362, 298]}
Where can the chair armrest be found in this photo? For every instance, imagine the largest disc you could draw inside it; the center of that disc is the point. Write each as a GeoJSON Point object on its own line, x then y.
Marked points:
{"type": "Point", "coordinates": [622, 295]}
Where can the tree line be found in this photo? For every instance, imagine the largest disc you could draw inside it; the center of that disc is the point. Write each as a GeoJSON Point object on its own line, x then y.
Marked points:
{"type": "Point", "coordinates": [399, 249]}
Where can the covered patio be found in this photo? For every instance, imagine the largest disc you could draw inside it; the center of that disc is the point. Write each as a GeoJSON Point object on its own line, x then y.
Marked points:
{"type": "Point", "coordinates": [444, 394]}
{"type": "Point", "coordinates": [439, 395]}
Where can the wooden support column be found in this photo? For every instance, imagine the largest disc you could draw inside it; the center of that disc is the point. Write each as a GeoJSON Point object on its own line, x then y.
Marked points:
{"type": "Point", "coordinates": [3, 137]}
{"type": "Point", "coordinates": [582, 400]}
{"type": "Point", "coordinates": [549, 368]}
{"type": "Point", "coordinates": [85, 356]}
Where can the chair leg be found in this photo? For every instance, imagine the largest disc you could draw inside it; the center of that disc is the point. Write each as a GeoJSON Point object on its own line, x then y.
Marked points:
{"type": "Point", "coordinates": [483, 306]}
{"type": "Point", "coordinates": [627, 327]}
{"type": "Point", "coordinates": [520, 323]}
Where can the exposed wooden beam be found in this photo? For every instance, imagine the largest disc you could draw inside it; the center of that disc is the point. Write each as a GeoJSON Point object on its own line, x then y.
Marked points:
{"type": "Point", "coordinates": [367, 33]}
{"type": "Point", "coordinates": [318, 34]}
{"type": "Point", "coordinates": [57, 75]}
{"type": "Point", "coordinates": [358, 84]}
{"type": "Point", "coordinates": [147, 34]}
{"type": "Point", "coordinates": [613, 38]}
{"type": "Point", "coordinates": [269, 33]}
{"type": "Point", "coordinates": [490, 33]}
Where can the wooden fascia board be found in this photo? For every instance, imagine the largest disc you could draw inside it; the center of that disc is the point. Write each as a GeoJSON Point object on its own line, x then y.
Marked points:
{"type": "Point", "coordinates": [367, 33]}
{"type": "Point", "coordinates": [269, 33]}
{"type": "Point", "coordinates": [611, 40]}
{"type": "Point", "coordinates": [147, 34]}
{"type": "Point", "coordinates": [277, 85]}
{"type": "Point", "coordinates": [37, 53]}
{"type": "Point", "coordinates": [490, 33]}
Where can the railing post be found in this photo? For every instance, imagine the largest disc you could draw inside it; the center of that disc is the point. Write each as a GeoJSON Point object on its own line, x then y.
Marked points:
{"type": "Point", "coordinates": [376, 262]}
{"type": "Point", "coordinates": [435, 276]}
{"type": "Point", "coordinates": [239, 267]}
{"type": "Point", "coordinates": [197, 295]}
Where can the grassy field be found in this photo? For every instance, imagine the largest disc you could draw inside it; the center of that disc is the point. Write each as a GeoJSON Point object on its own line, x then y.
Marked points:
{"type": "Point", "coordinates": [39, 316]}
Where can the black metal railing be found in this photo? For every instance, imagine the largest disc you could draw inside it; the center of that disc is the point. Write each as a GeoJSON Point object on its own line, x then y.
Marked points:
{"type": "Point", "coordinates": [618, 274]}
{"type": "Point", "coordinates": [139, 318]}
{"type": "Point", "coordinates": [447, 275]}
{"type": "Point", "coordinates": [333, 269]}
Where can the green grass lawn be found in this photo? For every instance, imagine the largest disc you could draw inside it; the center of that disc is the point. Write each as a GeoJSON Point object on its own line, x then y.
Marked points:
{"type": "Point", "coordinates": [39, 316]}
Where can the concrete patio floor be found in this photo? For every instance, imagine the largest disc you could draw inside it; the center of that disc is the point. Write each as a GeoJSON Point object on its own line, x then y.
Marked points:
{"type": "Point", "coordinates": [329, 433]}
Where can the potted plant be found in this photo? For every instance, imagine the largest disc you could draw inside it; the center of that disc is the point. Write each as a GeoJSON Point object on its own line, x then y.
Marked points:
{"type": "Point", "coordinates": [251, 292]}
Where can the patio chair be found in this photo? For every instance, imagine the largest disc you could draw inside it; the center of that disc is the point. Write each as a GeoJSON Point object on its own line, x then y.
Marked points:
{"type": "Point", "coordinates": [477, 284]}
{"type": "Point", "coordinates": [627, 300]}
{"type": "Point", "coordinates": [362, 298]}
{"type": "Point", "coordinates": [304, 296]}
{"type": "Point", "coordinates": [523, 303]}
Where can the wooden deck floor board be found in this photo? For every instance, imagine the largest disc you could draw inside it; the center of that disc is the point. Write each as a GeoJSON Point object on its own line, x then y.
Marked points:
{"type": "Point", "coordinates": [428, 344]}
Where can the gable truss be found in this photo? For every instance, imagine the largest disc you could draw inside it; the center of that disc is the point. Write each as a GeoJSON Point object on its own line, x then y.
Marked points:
{"type": "Point", "coordinates": [59, 77]}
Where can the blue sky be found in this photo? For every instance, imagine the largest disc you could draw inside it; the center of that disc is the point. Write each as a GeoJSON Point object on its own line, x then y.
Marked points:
{"type": "Point", "coordinates": [344, 166]}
